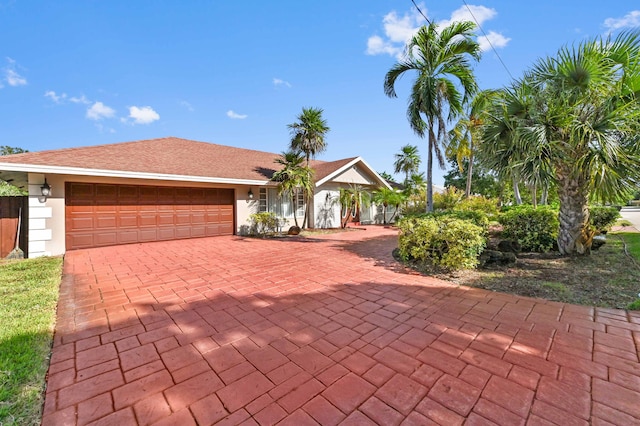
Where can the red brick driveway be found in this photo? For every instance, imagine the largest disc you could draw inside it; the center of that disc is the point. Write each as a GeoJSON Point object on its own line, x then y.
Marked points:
{"type": "Point", "coordinates": [322, 331]}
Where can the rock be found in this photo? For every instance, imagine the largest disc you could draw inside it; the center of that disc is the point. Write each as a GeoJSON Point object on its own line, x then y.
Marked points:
{"type": "Point", "coordinates": [294, 230]}
{"type": "Point", "coordinates": [598, 241]}
{"type": "Point", "coordinates": [509, 246]}
{"type": "Point", "coordinates": [496, 257]}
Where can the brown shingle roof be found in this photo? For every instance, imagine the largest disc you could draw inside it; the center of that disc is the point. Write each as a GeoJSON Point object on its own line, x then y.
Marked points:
{"type": "Point", "coordinates": [171, 155]}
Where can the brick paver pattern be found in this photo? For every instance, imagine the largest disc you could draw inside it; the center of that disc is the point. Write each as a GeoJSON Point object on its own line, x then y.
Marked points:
{"type": "Point", "coordinates": [324, 330]}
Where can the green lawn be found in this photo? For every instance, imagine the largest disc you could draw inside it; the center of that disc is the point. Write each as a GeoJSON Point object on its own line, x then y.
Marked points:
{"type": "Point", "coordinates": [28, 299]}
{"type": "Point", "coordinates": [632, 243]}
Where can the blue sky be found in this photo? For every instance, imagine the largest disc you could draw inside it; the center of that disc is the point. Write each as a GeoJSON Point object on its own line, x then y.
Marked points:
{"type": "Point", "coordinates": [75, 73]}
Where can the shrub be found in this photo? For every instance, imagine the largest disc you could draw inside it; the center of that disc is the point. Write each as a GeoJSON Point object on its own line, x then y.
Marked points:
{"type": "Point", "coordinates": [448, 199]}
{"type": "Point", "coordinates": [441, 241]}
{"type": "Point", "coordinates": [535, 229]}
{"type": "Point", "coordinates": [602, 218]}
{"type": "Point", "coordinates": [263, 223]}
{"type": "Point", "coordinates": [487, 206]}
{"type": "Point", "coordinates": [476, 217]}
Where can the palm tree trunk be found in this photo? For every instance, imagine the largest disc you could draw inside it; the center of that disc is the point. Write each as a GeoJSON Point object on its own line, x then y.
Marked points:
{"type": "Point", "coordinates": [545, 194]}
{"type": "Point", "coordinates": [534, 195]}
{"type": "Point", "coordinates": [574, 235]}
{"type": "Point", "coordinates": [516, 190]}
{"type": "Point", "coordinates": [467, 191]}
{"type": "Point", "coordinates": [294, 198]}
{"type": "Point", "coordinates": [432, 142]}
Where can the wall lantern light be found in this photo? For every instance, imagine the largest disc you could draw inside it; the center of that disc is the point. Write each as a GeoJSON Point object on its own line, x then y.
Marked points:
{"type": "Point", "coordinates": [46, 189]}
{"type": "Point", "coordinates": [250, 194]}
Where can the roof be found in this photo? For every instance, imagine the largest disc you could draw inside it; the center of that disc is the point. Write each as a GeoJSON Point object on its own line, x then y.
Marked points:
{"type": "Point", "coordinates": [164, 158]}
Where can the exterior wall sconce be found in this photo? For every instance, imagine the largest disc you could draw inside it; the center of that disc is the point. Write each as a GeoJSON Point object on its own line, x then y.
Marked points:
{"type": "Point", "coordinates": [45, 190]}
{"type": "Point", "coordinates": [250, 194]}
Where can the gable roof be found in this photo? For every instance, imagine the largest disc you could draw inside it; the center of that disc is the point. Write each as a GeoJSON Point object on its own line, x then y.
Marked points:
{"type": "Point", "coordinates": [167, 158]}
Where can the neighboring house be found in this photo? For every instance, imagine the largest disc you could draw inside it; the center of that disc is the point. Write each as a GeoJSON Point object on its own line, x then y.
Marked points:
{"type": "Point", "coordinates": [163, 189]}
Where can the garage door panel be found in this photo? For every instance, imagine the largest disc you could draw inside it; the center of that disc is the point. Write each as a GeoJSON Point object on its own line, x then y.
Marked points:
{"type": "Point", "coordinates": [165, 219]}
{"type": "Point", "coordinates": [127, 221]}
{"type": "Point", "coordinates": [109, 214]}
{"type": "Point", "coordinates": [106, 222]}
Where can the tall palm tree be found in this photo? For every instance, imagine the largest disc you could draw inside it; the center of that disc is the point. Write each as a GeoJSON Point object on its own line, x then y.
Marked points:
{"type": "Point", "coordinates": [576, 116]}
{"type": "Point", "coordinates": [466, 135]}
{"type": "Point", "coordinates": [407, 161]}
{"type": "Point", "coordinates": [293, 177]}
{"type": "Point", "coordinates": [308, 136]}
{"type": "Point", "coordinates": [441, 59]}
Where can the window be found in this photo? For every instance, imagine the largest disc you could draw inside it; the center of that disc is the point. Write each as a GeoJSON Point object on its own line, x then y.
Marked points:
{"type": "Point", "coordinates": [270, 201]}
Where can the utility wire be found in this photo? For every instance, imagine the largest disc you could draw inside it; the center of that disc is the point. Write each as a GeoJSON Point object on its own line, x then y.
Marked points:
{"type": "Point", "coordinates": [420, 11]}
{"type": "Point", "coordinates": [488, 40]}
{"type": "Point", "coordinates": [479, 26]}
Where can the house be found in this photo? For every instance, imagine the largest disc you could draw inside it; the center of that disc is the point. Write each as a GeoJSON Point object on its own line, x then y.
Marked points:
{"type": "Point", "coordinates": [163, 189]}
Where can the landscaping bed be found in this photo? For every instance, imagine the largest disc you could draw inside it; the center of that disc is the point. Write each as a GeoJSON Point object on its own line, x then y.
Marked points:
{"type": "Point", "coordinates": [609, 277]}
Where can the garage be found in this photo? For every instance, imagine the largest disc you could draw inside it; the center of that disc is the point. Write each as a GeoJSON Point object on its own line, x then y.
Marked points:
{"type": "Point", "coordinates": [99, 215]}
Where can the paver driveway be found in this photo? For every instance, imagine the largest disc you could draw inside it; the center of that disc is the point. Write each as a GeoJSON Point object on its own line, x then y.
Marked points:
{"type": "Point", "coordinates": [324, 330]}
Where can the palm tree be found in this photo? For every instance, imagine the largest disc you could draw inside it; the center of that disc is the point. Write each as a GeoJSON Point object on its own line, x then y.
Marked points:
{"type": "Point", "coordinates": [307, 136]}
{"type": "Point", "coordinates": [387, 197]}
{"type": "Point", "coordinates": [293, 177]}
{"type": "Point", "coordinates": [352, 200]}
{"type": "Point", "coordinates": [444, 83]}
{"type": "Point", "coordinates": [407, 161]}
{"type": "Point", "coordinates": [466, 135]}
{"type": "Point", "coordinates": [576, 116]}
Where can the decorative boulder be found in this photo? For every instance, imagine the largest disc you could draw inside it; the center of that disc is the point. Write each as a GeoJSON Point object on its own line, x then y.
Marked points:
{"type": "Point", "coordinates": [294, 230]}
{"type": "Point", "coordinates": [509, 246]}
{"type": "Point", "coordinates": [496, 257]}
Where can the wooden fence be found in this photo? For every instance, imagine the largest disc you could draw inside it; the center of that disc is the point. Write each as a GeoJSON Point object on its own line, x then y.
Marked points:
{"type": "Point", "coordinates": [9, 211]}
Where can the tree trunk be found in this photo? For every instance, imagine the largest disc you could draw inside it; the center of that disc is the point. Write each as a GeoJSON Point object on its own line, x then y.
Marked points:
{"type": "Point", "coordinates": [294, 198]}
{"type": "Point", "coordinates": [430, 171]}
{"type": "Point", "coordinates": [467, 191]}
{"type": "Point", "coordinates": [516, 190]}
{"type": "Point", "coordinates": [534, 195]}
{"type": "Point", "coordinates": [545, 194]}
{"type": "Point", "coordinates": [574, 235]}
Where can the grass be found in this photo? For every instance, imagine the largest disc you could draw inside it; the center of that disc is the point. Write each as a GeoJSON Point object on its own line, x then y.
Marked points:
{"type": "Point", "coordinates": [632, 246]}
{"type": "Point", "coordinates": [608, 278]}
{"type": "Point", "coordinates": [632, 240]}
{"type": "Point", "coordinates": [28, 299]}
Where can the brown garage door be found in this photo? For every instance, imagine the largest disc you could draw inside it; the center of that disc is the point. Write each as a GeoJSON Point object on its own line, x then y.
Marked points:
{"type": "Point", "coordinates": [104, 215]}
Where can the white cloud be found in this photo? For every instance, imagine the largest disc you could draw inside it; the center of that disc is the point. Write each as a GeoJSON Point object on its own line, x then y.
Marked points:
{"type": "Point", "coordinates": [464, 13]}
{"type": "Point", "coordinates": [377, 46]}
{"type": "Point", "coordinates": [630, 20]}
{"type": "Point", "coordinates": [398, 30]}
{"type": "Point", "coordinates": [11, 75]}
{"type": "Point", "coordinates": [280, 82]}
{"type": "Point", "coordinates": [99, 111]}
{"type": "Point", "coordinates": [81, 100]}
{"type": "Point", "coordinates": [235, 115]}
{"type": "Point", "coordinates": [55, 97]}
{"type": "Point", "coordinates": [143, 115]}
{"type": "Point", "coordinates": [494, 39]}
{"type": "Point", "coordinates": [187, 106]}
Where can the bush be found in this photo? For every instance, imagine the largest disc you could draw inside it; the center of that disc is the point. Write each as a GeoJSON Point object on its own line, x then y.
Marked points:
{"type": "Point", "coordinates": [448, 199]}
{"type": "Point", "coordinates": [441, 241]}
{"type": "Point", "coordinates": [263, 223]}
{"type": "Point", "coordinates": [535, 229]}
{"type": "Point", "coordinates": [602, 218]}
{"type": "Point", "coordinates": [476, 217]}
{"type": "Point", "coordinates": [487, 206]}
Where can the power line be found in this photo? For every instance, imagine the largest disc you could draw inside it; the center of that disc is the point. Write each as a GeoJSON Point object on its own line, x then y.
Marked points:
{"type": "Point", "coordinates": [420, 11]}
{"type": "Point", "coordinates": [487, 38]}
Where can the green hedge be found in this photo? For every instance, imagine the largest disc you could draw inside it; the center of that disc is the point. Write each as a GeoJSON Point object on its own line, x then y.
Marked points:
{"type": "Point", "coordinates": [602, 218]}
{"type": "Point", "coordinates": [441, 241]}
{"type": "Point", "coordinates": [536, 229]}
